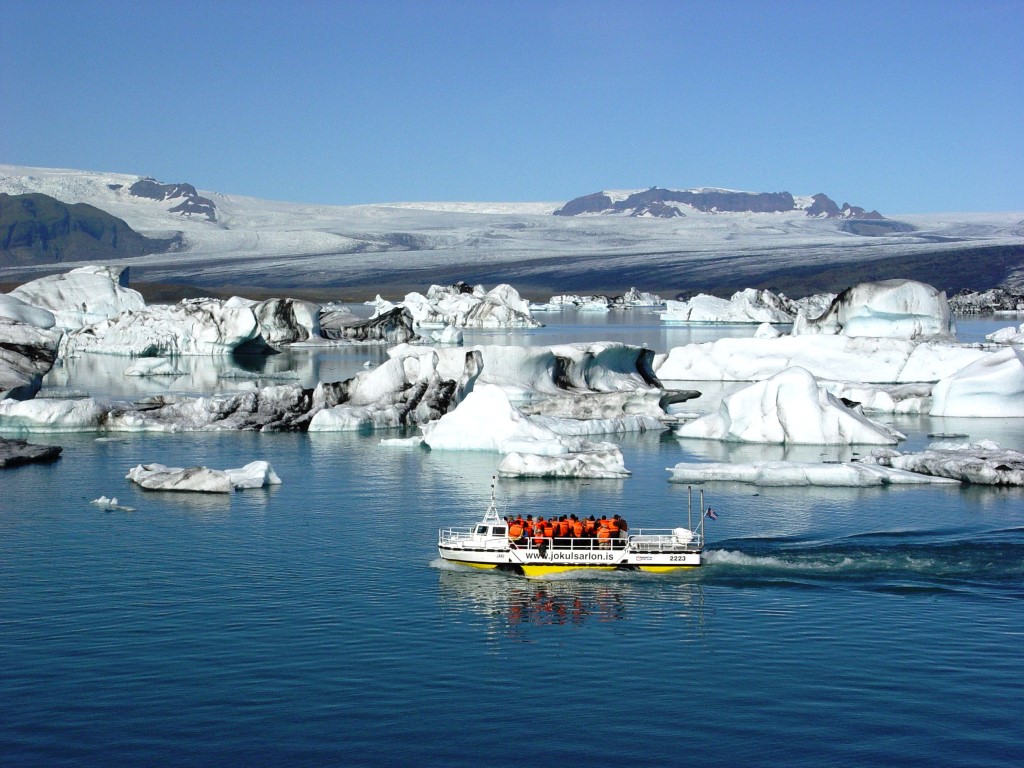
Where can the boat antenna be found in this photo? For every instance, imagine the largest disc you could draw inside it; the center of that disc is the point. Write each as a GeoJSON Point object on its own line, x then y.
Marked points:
{"type": "Point", "coordinates": [689, 507]}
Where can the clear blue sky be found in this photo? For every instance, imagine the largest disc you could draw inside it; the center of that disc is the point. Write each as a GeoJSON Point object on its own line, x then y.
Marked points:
{"type": "Point", "coordinates": [901, 106]}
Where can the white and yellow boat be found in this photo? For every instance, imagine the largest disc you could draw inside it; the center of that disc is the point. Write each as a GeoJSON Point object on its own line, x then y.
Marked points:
{"type": "Point", "coordinates": [487, 545]}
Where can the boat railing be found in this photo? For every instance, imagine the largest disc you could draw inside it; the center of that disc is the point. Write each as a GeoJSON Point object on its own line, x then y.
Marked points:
{"type": "Point", "coordinates": [644, 540]}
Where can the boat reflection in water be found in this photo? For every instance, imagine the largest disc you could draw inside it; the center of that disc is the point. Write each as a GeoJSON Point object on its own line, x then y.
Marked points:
{"type": "Point", "coordinates": [516, 605]}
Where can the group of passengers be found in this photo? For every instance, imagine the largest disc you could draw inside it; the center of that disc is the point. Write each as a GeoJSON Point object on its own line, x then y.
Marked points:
{"type": "Point", "coordinates": [561, 531]}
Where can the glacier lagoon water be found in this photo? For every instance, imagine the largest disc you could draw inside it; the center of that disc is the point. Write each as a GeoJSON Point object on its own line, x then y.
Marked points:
{"type": "Point", "coordinates": [312, 624]}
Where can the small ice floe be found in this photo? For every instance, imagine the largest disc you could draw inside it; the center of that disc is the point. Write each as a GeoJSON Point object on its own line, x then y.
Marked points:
{"type": "Point", "coordinates": [157, 477]}
{"type": "Point", "coordinates": [403, 442]}
{"type": "Point", "coordinates": [111, 505]}
{"type": "Point", "coordinates": [1011, 335]}
{"type": "Point", "coordinates": [980, 463]}
{"type": "Point", "coordinates": [158, 366]}
{"type": "Point", "coordinates": [797, 473]}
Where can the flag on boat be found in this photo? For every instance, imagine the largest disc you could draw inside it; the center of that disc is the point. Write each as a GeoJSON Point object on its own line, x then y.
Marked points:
{"type": "Point", "coordinates": [711, 513]}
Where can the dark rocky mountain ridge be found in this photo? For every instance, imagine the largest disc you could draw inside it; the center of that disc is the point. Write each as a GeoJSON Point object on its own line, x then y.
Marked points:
{"type": "Point", "coordinates": [657, 202]}
{"type": "Point", "coordinates": [39, 229]}
{"type": "Point", "coordinates": [191, 201]}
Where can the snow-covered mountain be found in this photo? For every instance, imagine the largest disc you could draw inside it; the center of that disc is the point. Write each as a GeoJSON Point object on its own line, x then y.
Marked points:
{"type": "Point", "coordinates": [356, 251]}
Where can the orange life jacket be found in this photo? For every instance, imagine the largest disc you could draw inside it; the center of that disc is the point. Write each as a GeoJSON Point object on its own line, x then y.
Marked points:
{"type": "Point", "coordinates": [577, 528]}
{"type": "Point", "coordinates": [515, 531]}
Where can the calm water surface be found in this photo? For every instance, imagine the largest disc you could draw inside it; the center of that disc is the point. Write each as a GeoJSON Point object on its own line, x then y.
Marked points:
{"type": "Point", "coordinates": [312, 623]}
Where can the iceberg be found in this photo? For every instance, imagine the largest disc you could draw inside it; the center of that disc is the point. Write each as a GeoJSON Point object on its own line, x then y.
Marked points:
{"type": "Point", "coordinates": [27, 353]}
{"type": "Point", "coordinates": [604, 464]}
{"type": "Point", "coordinates": [838, 358]}
{"type": "Point", "coordinates": [14, 452]}
{"type": "Point", "coordinates": [191, 327]}
{"type": "Point", "coordinates": [464, 307]}
{"type": "Point", "coordinates": [393, 325]}
{"type": "Point", "coordinates": [1010, 335]}
{"type": "Point", "coordinates": [487, 421]}
{"type": "Point", "coordinates": [799, 473]}
{"type": "Point", "coordinates": [285, 321]}
{"type": "Point", "coordinates": [904, 309]}
{"type": "Point", "coordinates": [748, 306]}
{"type": "Point", "coordinates": [157, 477]}
{"type": "Point", "coordinates": [789, 407]}
{"type": "Point", "coordinates": [82, 296]}
{"type": "Point", "coordinates": [991, 387]}
{"type": "Point", "coordinates": [981, 463]}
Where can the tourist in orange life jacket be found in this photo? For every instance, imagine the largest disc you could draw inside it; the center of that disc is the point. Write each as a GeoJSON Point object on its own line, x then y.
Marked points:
{"type": "Point", "coordinates": [538, 531]}
{"type": "Point", "coordinates": [515, 531]}
{"type": "Point", "coordinates": [604, 532]}
{"type": "Point", "coordinates": [590, 527]}
{"type": "Point", "coordinates": [577, 527]}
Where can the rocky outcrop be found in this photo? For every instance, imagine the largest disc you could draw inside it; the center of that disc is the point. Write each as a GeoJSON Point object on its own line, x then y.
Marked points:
{"type": "Point", "coordinates": [39, 229]}
{"type": "Point", "coordinates": [192, 203]}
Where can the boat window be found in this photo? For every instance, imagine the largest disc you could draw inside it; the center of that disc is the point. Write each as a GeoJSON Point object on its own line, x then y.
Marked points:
{"type": "Point", "coordinates": [498, 530]}
{"type": "Point", "coordinates": [481, 530]}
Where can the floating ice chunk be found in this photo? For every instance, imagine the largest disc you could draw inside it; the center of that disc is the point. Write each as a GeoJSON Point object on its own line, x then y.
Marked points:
{"type": "Point", "coordinates": [14, 452]}
{"type": "Point", "coordinates": [767, 331]}
{"type": "Point", "coordinates": [749, 306]}
{"type": "Point", "coordinates": [982, 463]}
{"type": "Point", "coordinates": [883, 398]}
{"type": "Point", "coordinates": [458, 305]}
{"type": "Point", "coordinates": [990, 387]}
{"type": "Point", "coordinates": [1010, 335]}
{"type": "Point", "coordinates": [153, 367]}
{"type": "Point", "coordinates": [593, 464]}
{"type": "Point", "coordinates": [789, 407]}
{"type": "Point", "coordinates": [255, 474]}
{"type": "Point", "coordinates": [51, 415]}
{"type": "Point", "coordinates": [903, 309]}
{"type": "Point", "coordinates": [403, 442]}
{"type": "Point", "coordinates": [157, 477]}
{"type": "Point", "coordinates": [796, 473]}
{"type": "Point", "coordinates": [111, 504]}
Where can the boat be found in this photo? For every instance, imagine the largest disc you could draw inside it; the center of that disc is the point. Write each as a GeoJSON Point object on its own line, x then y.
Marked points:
{"type": "Point", "coordinates": [487, 545]}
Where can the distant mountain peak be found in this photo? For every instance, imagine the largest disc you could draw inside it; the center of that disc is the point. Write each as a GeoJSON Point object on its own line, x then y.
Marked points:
{"type": "Point", "coordinates": [191, 201]}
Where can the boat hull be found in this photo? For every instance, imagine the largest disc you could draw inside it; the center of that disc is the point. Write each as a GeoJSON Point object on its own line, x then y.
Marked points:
{"type": "Point", "coordinates": [535, 563]}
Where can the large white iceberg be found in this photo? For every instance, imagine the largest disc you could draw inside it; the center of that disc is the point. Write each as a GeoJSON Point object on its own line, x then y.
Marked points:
{"type": "Point", "coordinates": [839, 358]}
{"type": "Point", "coordinates": [799, 473]}
{"type": "Point", "coordinates": [487, 421]}
{"type": "Point", "coordinates": [992, 387]}
{"type": "Point", "coordinates": [1013, 334]}
{"type": "Point", "coordinates": [82, 296]}
{"type": "Point", "coordinates": [191, 327]}
{"type": "Point", "coordinates": [789, 407]}
{"type": "Point", "coordinates": [903, 309]}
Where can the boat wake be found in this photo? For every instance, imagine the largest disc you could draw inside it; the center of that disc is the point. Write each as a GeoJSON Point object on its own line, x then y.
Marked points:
{"type": "Point", "coordinates": [991, 563]}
